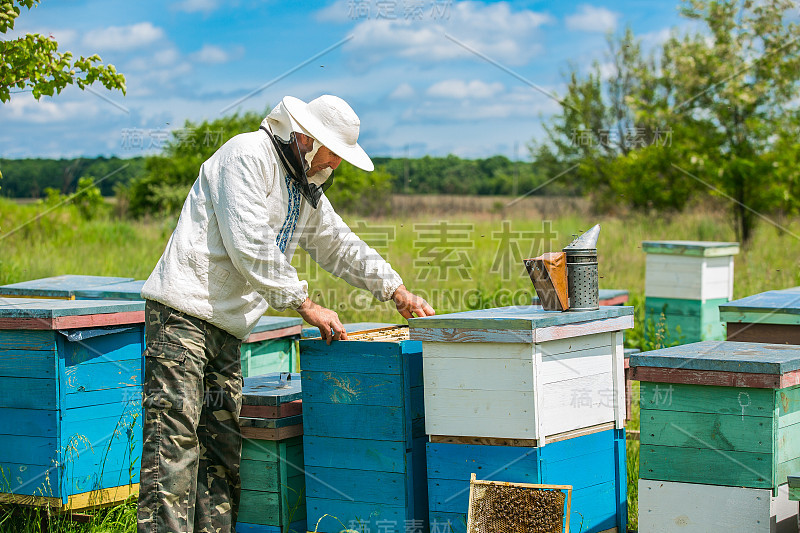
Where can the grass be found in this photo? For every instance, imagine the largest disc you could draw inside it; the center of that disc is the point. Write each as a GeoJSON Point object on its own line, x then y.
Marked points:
{"type": "Point", "coordinates": [479, 267]}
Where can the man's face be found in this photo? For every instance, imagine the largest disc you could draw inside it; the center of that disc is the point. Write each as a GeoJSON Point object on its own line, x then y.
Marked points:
{"type": "Point", "coordinates": [323, 159]}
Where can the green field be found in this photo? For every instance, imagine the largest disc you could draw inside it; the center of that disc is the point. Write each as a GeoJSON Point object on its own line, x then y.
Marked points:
{"type": "Point", "coordinates": [473, 260]}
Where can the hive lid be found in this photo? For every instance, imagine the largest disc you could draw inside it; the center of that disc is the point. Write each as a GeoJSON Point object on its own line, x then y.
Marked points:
{"type": "Point", "coordinates": [58, 286]}
{"type": "Point", "coordinates": [771, 307]}
{"type": "Point", "coordinates": [269, 323]}
{"type": "Point", "coordinates": [126, 290]}
{"type": "Point", "coordinates": [271, 389]}
{"type": "Point", "coordinates": [723, 356]}
{"type": "Point", "coordinates": [691, 248]}
{"type": "Point", "coordinates": [521, 323]}
{"type": "Point", "coordinates": [44, 314]}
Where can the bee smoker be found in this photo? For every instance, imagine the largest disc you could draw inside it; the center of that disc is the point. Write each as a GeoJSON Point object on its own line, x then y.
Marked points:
{"type": "Point", "coordinates": [568, 280]}
{"type": "Point", "coordinates": [582, 275]}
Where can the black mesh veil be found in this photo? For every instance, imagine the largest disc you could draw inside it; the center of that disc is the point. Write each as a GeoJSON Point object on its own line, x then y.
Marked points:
{"type": "Point", "coordinates": [289, 152]}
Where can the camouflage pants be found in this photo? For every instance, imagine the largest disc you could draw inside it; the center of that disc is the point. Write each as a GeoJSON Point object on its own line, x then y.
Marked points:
{"type": "Point", "coordinates": [192, 440]}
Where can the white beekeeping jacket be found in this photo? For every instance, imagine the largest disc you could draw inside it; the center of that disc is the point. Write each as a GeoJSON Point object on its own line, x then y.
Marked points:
{"type": "Point", "coordinates": [228, 258]}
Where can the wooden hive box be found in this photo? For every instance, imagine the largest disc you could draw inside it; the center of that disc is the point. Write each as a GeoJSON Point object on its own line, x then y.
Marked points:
{"type": "Point", "coordinates": [606, 297]}
{"type": "Point", "coordinates": [594, 465]}
{"type": "Point", "coordinates": [364, 436]}
{"type": "Point", "coordinates": [772, 316]}
{"type": "Point", "coordinates": [273, 498]}
{"type": "Point", "coordinates": [272, 346]}
{"type": "Point", "coordinates": [57, 287]}
{"type": "Point", "coordinates": [718, 414]}
{"type": "Point", "coordinates": [679, 507]}
{"type": "Point", "coordinates": [794, 486]}
{"type": "Point", "coordinates": [125, 290]}
{"type": "Point", "coordinates": [70, 401]}
{"type": "Point", "coordinates": [523, 373]}
{"type": "Point", "coordinates": [739, 398]}
{"type": "Point", "coordinates": [687, 281]}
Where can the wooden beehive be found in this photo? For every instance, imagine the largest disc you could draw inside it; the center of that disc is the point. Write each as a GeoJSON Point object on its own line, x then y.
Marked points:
{"type": "Point", "coordinates": [364, 436]}
{"type": "Point", "coordinates": [594, 464]}
{"type": "Point", "coordinates": [125, 290]}
{"type": "Point", "coordinates": [718, 414]}
{"type": "Point", "coordinates": [273, 498]}
{"type": "Point", "coordinates": [678, 507]}
{"type": "Point", "coordinates": [272, 346]}
{"type": "Point", "coordinates": [58, 287]}
{"type": "Point", "coordinates": [772, 316]}
{"type": "Point", "coordinates": [687, 281]}
{"type": "Point", "coordinates": [70, 401]}
{"type": "Point", "coordinates": [523, 373]}
{"type": "Point", "coordinates": [794, 486]}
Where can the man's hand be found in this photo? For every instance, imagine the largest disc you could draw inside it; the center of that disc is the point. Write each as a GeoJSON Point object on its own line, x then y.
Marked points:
{"type": "Point", "coordinates": [409, 304]}
{"type": "Point", "coordinates": [325, 319]}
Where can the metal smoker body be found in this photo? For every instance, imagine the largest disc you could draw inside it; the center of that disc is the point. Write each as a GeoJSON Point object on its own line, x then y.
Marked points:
{"type": "Point", "coordinates": [582, 275]}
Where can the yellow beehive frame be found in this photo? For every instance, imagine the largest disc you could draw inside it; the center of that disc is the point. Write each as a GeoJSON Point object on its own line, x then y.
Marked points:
{"type": "Point", "coordinates": [567, 488]}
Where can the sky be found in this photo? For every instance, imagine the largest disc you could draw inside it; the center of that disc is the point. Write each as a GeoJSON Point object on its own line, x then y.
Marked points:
{"type": "Point", "coordinates": [426, 77]}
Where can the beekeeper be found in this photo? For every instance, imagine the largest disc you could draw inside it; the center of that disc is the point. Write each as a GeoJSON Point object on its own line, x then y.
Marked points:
{"type": "Point", "coordinates": [255, 200]}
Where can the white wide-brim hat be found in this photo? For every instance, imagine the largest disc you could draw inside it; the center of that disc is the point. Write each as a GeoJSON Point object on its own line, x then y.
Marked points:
{"type": "Point", "coordinates": [332, 122]}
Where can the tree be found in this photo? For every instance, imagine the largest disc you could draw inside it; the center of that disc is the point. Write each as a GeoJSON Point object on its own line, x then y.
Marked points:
{"type": "Point", "coordinates": [725, 97]}
{"type": "Point", "coordinates": [34, 62]}
{"type": "Point", "coordinates": [169, 175]}
{"type": "Point", "coordinates": [742, 75]}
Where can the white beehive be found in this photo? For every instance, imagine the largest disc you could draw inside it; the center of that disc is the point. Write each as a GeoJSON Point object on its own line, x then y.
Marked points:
{"type": "Point", "coordinates": [523, 373]}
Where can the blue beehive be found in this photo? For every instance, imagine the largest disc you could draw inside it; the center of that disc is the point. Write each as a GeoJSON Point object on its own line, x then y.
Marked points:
{"type": "Point", "coordinates": [59, 287]}
{"type": "Point", "coordinates": [364, 436]}
{"type": "Point", "coordinates": [593, 464]}
{"type": "Point", "coordinates": [125, 290]}
{"type": "Point", "coordinates": [70, 400]}
{"type": "Point", "coordinates": [271, 346]}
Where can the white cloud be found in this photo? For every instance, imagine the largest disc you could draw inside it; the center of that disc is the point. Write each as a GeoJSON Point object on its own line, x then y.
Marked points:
{"type": "Point", "coordinates": [338, 12]}
{"type": "Point", "coordinates": [520, 102]}
{"type": "Point", "coordinates": [65, 37]}
{"type": "Point", "coordinates": [590, 18]}
{"type": "Point", "coordinates": [212, 54]}
{"type": "Point", "coordinates": [607, 70]}
{"type": "Point", "coordinates": [404, 91]}
{"type": "Point", "coordinates": [47, 111]}
{"type": "Point", "coordinates": [197, 6]}
{"type": "Point", "coordinates": [123, 37]}
{"type": "Point", "coordinates": [460, 89]}
{"type": "Point", "coordinates": [165, 57]}
{"type": "Point", "coordinates": [492, 29]}
{"type": "Point", "coordinates": [655, 38]}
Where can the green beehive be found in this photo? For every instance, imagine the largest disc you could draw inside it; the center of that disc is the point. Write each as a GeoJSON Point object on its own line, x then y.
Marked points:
{"type": "Point", "coordinates": [772, 316]}
{"type": "Point", "coordinates": [720, 413]}
{"type": "Point", "coordinates": [273, 498]}
{"type": "Point", "coordinates": [686, 281]}
{"type": "Point", "coordinates": [272, 346]}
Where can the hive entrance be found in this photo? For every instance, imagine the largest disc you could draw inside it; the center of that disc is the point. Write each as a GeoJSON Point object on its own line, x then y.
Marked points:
{"type": "Point", "coordinates": [500, 507]}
